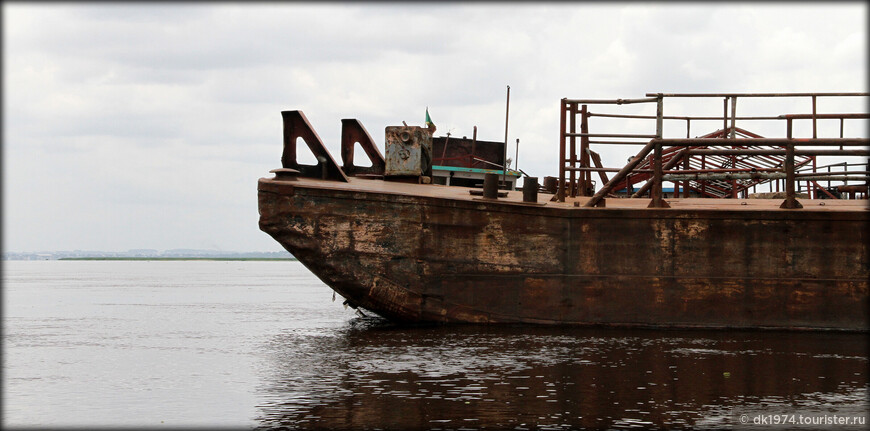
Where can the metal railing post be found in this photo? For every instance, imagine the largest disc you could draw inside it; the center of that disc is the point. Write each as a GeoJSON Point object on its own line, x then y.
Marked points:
{"type": "Point", "coordinates": [560, 189]}
{"type": "Point", "coordinates": [572, 121]}
{"type": "Point", "coordinates": [657, 201]}
{"type": "Point", "coordinates": [704, 184]}
{"type": "Point", "coordinates": [686, 157]}
{"type": "Point", "coordinates": [585, 177]}
{"type": "Point", "coordinates": [724, 116]}
{"type": "Point", "coordinates": [686, 166]}
{"type": "Point", "coordinates": [790, 201]}
{"type": "Point", "coordinates": [733, 134]}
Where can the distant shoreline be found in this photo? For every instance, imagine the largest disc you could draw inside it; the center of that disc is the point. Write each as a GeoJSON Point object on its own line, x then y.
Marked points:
{"type": "Point", "coordinates": [184, 258]}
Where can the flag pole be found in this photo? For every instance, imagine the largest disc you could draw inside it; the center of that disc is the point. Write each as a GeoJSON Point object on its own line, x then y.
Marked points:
{"type": "Point", "coordinates": [506, 112]}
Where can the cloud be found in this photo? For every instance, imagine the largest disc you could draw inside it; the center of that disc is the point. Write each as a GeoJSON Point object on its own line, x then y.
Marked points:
{"type": "Point", "coordinates": [147, 125]}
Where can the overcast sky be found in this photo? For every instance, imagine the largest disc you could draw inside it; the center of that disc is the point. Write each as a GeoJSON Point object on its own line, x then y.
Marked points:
{"type": "Point", "coordinates": [148, 125]}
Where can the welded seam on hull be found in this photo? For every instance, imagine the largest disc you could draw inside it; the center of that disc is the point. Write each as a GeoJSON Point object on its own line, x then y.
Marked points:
{"type": "Point", "coordinates": [553, 274]}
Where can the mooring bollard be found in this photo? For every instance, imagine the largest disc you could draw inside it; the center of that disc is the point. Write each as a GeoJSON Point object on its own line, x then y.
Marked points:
{"type": "Point", "coordinates": [490, 186]}
{"type": "Point", "coordinates": [530, 189]}
{"type": "Point", "coordinates": [550, 184]}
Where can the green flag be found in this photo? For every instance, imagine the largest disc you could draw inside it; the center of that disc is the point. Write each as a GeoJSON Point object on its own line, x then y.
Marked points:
{"type": "Point", "coordinates": [428, 120]}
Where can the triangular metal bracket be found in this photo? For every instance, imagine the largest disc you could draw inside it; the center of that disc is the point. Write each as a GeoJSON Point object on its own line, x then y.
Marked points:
{"type": "Point", "coordinates": [352, 131]}
{"type": "Point", "coordinates": [297, 126]}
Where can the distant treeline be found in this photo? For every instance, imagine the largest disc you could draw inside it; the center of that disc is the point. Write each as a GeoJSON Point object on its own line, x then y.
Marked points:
{"type": "Point", "coordinates": [181, 258]}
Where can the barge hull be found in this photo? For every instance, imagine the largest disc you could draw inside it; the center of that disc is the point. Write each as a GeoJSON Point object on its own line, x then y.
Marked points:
{"type": "Point", "coordinates": [438, 258]}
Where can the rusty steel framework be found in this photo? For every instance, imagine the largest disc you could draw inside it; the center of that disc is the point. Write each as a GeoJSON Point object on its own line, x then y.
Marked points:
{"type": "Point", "coordinates": [692, 165]}
{"type": "Point", "coordinates": [725, 163]}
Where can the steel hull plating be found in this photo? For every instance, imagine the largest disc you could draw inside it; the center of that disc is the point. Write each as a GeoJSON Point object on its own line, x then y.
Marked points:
{"type": "Point", "coordinates": [432, 258]}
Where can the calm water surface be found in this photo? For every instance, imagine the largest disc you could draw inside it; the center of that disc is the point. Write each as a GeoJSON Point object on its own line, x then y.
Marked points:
{"type": "Point", "coordinates": [262, 345]}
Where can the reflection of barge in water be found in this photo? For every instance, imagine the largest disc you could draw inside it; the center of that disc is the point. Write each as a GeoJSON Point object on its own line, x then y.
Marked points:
{"type": "Point", "coordinates": [388, 241]}
{"type": "Point", "coordinates": [368, 377]}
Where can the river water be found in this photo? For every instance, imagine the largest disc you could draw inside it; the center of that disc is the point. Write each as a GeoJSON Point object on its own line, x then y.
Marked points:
{"type": "Point", "coordinates": [262, 345]}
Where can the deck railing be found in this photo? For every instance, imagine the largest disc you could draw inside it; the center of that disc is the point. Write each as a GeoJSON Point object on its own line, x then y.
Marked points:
{"type": "Point", "coordinates": [777, 154]}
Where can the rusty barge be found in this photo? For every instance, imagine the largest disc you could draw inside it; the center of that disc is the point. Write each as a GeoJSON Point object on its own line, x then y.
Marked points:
{"type": "Point", "coordinates": [705, 256]}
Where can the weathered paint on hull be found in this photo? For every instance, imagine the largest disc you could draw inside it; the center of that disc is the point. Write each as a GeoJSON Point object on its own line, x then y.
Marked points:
{"type": "Point", "coordinates": [428, 259]}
